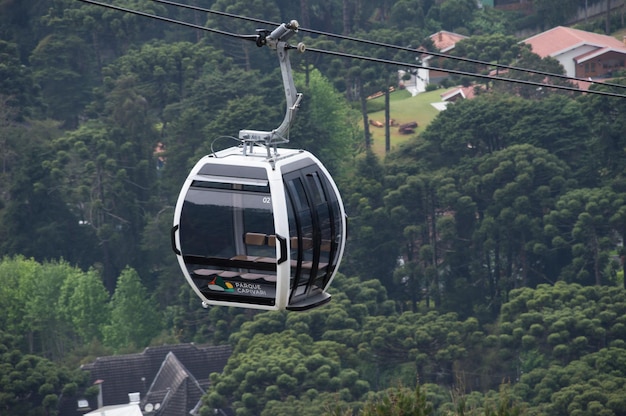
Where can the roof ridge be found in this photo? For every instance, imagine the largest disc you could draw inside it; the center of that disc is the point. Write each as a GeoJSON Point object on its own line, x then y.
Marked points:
{"type": "Point", "coordinates": [172, 359]}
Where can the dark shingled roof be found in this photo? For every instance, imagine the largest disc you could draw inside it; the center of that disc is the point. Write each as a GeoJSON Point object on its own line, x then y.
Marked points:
{"type": "Point", "coordinates": [174, 389]}
{"type": "Point", "coordinates": [184, 369]}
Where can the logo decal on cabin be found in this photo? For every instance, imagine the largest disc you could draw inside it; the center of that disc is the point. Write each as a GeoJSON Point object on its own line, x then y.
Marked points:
{"type": "Point", "coordinates": [220, 285]}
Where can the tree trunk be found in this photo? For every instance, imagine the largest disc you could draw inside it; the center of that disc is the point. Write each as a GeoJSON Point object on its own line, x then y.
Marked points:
{"type": "Point", "coordinates": [495, 290]}
{"type": "Point", "coordinates": [108, 275]}
{"type": "Point", "coordinates": [596, 261]}
{"type": "Point", "coordinates": [247, 57]}
{"type": "Point", "coordinates": [525, 266]}
{"type": "Point", "coordinates": [414, 289]}
{"type": "Point", "coordinates": [387, 120]}
{"type": "Point", "coordinates": [429, 236]}
{"type": "Point", "coordinates": [622, 256]}
{"type": "Point", "coordinates": [304, 13]}
{"type": "Point", "coordinates": [197, 20]}
{"type": "Point", "coordinates": [346, 16]}
{"type": "Point", "coordinates": [366, 125]}
{"type": "Point", "coordinates": [357, 12]}
{"type": "Point", "coordinates": [607, 30]}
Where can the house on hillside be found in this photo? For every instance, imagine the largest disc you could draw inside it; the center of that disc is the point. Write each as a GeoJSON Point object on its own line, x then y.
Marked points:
{"type": "Point", "coordinates": [129, 409]}
{"type": "Point", "coordinates": [455, 94]}
{"type": "Point", "coordinates": [444, 41]}
{"type": "Point", "coordinates": [459, 93]}
{"type": "Point", "coordinates": [168, 380]}
{"type": "Point", "coordinates": [582, 54]}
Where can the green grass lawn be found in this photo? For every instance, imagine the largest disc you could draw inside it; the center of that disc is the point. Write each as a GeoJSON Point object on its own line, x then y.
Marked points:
{"type": "Point", "coordinates": [404, 109]}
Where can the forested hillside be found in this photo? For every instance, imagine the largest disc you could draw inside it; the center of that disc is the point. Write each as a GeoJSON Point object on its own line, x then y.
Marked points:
{"type": "Point", "coordinates": [483, 273]}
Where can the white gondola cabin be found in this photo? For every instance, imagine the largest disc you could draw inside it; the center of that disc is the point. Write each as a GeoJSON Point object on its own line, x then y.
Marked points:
{"type": "Point", "coordinates": [260, 235]}
{"type": "Point", "coordinates": [260, 227]}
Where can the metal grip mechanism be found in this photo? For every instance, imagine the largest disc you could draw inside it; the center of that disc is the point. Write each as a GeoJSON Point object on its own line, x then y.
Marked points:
{"type": "Point", "coordinates": [261, 37]}
{"type": "Point", "coordinates": [277, 40]}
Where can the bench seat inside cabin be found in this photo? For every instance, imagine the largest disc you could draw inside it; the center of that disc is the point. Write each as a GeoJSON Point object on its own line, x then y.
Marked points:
{"type": "Point", "coordinates": [258, 244]}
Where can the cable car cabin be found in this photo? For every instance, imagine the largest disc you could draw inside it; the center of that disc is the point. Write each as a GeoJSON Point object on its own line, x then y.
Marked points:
{"type": "Point", "coordinates": [258, 234]}
{"type": "Point", "coordinates": [264, 230]}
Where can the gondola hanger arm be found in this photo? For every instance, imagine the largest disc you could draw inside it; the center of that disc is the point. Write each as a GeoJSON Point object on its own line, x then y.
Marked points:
{"type": "Point", "coordinates": [278, 40]}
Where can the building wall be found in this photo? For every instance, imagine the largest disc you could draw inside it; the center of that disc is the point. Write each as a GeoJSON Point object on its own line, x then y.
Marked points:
{"type": "Point", "coordinates": [601, 66]}
{"type": "Point", "coordinates": [567, 58]}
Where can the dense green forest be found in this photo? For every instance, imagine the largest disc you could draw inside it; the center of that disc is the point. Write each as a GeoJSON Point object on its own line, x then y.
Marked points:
{"type": "Point", "coordinates": [483, 273]}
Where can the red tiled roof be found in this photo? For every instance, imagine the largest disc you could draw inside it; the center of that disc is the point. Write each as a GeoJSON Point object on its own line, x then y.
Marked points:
{"type": "Point", "coordinates": [584, 85]}
{"type": "Point", "coordinates": [560, 39]}
{"type": "Point", "coordinates": [444, 40]}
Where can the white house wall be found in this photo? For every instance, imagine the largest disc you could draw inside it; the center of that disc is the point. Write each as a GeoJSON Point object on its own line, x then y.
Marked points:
{"type": "Point", "coordinates": [566, 58]}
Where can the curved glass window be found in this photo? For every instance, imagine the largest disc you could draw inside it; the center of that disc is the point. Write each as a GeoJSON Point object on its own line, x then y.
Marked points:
{"type": "Point", "coordinates": [228, 243]}
{"type": "Point", "coordinates": [315, 226]}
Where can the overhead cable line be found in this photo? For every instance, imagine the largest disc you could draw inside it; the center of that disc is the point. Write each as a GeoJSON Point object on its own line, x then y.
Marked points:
{"type": "Point", "coordinates": [353, 56]}
{"type": "Point", "coordinates": [456, 72]}
{"type": "Point", "coordinates": [217, 12]}
{"type": "Point", "coordinates": [168, 20]}
{"type": "Point", "coordinates": [391, 46]}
